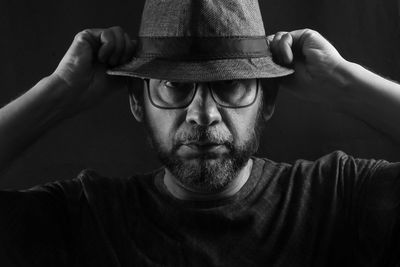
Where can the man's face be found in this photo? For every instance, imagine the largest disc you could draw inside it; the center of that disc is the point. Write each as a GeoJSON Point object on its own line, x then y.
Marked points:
{"type": "Point", "coordinates": [204, 145]}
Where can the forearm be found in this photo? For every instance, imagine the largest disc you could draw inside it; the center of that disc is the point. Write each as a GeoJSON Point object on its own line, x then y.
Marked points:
{"type": "Point", "coordinates": [28, 117]}
{"type": "Point", "coordinates": [372, 99]}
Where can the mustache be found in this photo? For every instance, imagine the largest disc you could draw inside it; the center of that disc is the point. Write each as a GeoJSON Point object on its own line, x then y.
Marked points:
{"type": "Point", "coordinates": [207, 134]}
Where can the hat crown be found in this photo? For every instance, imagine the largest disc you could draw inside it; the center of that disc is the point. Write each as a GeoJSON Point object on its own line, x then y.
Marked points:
{"type": "Point", "coordinates": [201, 18]}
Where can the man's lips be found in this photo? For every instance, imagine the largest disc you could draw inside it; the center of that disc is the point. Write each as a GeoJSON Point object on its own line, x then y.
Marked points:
{"type": "Point", "coordinates": [193, 149]}
{"type": "Point", "coordinates": [201, 143]}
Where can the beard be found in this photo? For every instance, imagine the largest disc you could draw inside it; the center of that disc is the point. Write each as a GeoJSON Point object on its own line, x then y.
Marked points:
{"type": "Point", "coordinates": [207, 172]}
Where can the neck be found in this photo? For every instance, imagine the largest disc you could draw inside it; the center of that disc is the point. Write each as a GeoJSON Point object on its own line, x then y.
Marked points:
{"type": "Point", "coordinates": [182, 192]}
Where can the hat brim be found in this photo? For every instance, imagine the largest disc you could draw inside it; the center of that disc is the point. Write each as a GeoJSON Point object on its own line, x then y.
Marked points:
{"type": "Point", "coordinates": [201, 71]}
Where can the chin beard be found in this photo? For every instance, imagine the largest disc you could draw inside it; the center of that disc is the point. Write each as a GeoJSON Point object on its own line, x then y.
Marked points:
{"type": "Point", "coordinates": [207, 172]}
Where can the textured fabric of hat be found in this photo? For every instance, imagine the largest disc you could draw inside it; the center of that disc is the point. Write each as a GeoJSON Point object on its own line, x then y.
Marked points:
{"type": "Point", "coordinates": [176, 42]}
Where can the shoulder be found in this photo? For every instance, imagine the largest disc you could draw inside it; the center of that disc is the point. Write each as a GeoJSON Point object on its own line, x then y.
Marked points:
{"type": "Point", "coordinates": [92, 181]}
{"type": "Point", "coordinates": [102, 191]}
{"type": "Point", "coordinates": [88, 188]}
{"type": "Point", "coordinates": [337, 163]}
{"type": "Point", "coordinates": [328, 161]}
{"type": "Point", "coordinates": [334, 168]}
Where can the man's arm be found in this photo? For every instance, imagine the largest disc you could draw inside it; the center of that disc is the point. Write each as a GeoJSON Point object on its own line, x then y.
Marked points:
{"type": "Point", "coordinates": [372, 99]}
{"type": "Point", "coordinates": [322, 76]}
{"type": "Point", "coordinates": [78, 82]}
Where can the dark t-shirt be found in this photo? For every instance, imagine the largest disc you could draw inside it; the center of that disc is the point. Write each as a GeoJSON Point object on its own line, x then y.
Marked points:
{"type": "Point", "coordinates": [335, 211]}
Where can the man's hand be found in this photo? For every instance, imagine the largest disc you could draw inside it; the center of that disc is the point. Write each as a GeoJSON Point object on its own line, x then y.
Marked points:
{"type": "Point", "coordinates": [324, 77]}
{"type": "Point", "coordinates": [317, 65]}
{"type": "Point", "coordinates": [78, 82]}
{"type": "Point", "coordinates": [83, 66]}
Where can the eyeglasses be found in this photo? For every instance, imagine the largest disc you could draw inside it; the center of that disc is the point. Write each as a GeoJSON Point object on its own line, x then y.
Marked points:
{"type": "Point", "coordinates": [228, 94]}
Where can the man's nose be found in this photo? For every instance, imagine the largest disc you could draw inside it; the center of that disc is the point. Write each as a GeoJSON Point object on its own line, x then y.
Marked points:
{"type": "Point", "coordinates": [203, 110]}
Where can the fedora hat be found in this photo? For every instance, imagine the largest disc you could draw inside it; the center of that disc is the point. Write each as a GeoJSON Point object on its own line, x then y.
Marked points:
{"type": "Point", "coordinates": [201, 40]}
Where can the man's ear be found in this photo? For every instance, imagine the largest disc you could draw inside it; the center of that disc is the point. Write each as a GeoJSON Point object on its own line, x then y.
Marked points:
{"type": "Point", "coordinates": [135, 87]}
{"type": "Point", "coordinates": [270, 91]}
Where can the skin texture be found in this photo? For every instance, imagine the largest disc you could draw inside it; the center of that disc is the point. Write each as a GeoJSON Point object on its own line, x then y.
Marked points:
{"type": "Point", "coordinates": [195, 174]}
{"type": "Point", "coordinates": [178, 135]}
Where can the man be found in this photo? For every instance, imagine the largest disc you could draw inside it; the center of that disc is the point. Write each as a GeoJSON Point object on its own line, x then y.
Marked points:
{"type": "Point", "coordinates": [205, 87]}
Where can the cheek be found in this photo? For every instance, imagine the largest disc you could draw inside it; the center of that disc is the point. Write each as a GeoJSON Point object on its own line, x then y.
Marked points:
{"type": "Point", "coordinates": [245, 127]}
{"type": "Point", "coordinates": [242, 123]}
{"type": "Point", "coordinates": [161, 124]}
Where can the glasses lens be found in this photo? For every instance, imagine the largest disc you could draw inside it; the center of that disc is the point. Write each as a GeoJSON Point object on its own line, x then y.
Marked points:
{"type": "Point", "coordinates": [171, 94]}
{"type": "Point", "coordinates": [235, 93]}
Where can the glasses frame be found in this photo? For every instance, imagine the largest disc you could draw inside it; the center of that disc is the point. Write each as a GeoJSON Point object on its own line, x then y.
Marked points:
{"type": "Point", "coordinates": [147, 81]}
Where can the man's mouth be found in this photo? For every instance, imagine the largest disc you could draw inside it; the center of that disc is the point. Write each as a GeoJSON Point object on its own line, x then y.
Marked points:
{"type": "Point", "coordinates": [196, 149]}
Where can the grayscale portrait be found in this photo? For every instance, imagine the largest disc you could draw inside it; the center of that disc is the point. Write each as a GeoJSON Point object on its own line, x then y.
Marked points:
{"type": "Point", "coordinates": [200, 133]}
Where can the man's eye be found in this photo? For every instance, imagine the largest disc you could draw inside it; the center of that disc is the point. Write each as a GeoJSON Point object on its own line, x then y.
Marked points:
{"type": "Point", "coordinates": [178, 85]}
{"type": "Point", "coordinates": [172, 84]}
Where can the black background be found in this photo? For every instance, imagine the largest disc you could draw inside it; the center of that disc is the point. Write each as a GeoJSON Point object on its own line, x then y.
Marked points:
{"type": "Point", "coordinates": [35, 35]}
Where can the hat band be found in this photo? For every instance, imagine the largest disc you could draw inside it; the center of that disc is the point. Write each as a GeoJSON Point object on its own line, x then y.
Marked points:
{"type": "Point", "coordinates": [202, 48]}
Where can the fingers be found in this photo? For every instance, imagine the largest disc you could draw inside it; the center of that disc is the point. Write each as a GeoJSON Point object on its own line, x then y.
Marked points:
{"type": "Point", "coordinates": [299, 38]}
{"type": "Point", "coordinates": [111, 46]}
{"type": "Point", "coordinates": [281, 46]}
{"type": "Point", "coordinates": [129, 49]}
{"type": "Point", "coordinates": [286, 45]}
{"type": "Point", "coordinates": [107, 46]}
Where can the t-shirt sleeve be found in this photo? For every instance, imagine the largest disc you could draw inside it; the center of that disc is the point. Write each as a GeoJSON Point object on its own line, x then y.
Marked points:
{"type": "Point", "coordinates": [35, 227]}
{"type": "Point", "coordinates": [373, 186]}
